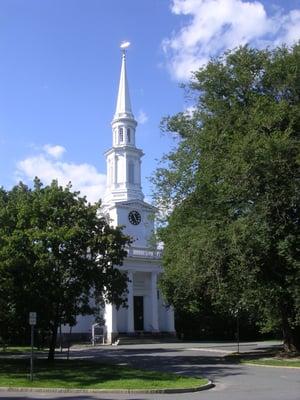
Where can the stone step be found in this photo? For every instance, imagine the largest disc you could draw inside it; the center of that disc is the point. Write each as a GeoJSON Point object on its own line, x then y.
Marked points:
{"type": "Point", "coordinates": [145, 338]}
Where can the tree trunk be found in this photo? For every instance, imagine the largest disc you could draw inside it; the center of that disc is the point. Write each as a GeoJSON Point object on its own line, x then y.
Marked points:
{"type": "Point", "coordinates": [52, 345]}
{"type": "Point", "coordinates": [291, 336]}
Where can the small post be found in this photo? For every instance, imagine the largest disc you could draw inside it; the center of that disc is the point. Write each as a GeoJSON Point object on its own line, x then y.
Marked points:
{"type": "Point", "coordinates": [31, 358]}
{"type": "Point", "coordinates": [32, 323]}
{"type": "Point", "coordinates": [238, 332]}
{"type": "Point", "coordinates": [69, 343]}
{"type": "Point", "coordinates": [60, 339]}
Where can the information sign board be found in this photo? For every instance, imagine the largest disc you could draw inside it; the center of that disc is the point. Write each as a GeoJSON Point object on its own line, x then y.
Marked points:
{"type": "Point", "coordinates": [32, 318]}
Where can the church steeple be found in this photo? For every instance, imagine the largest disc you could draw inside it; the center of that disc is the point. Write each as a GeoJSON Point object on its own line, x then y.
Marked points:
{"type": "Point", "coordinates": [123, 109]}
{"type": "Point", "coordinates": [123, 123]}
{"type": "Point", "coordinates": [124, 158]}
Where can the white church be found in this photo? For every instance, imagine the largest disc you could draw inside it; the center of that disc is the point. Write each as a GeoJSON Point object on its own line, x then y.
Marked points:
{"type": "Point", "coordinates": [124, 203]}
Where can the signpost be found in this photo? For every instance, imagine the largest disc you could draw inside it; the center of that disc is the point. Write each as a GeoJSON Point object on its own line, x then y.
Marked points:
{"type": "Point", "coordinates": [32, 323]}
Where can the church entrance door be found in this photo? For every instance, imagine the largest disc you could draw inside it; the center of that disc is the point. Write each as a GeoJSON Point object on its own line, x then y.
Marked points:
{"type": "Point", "coordinates": [138, 313]}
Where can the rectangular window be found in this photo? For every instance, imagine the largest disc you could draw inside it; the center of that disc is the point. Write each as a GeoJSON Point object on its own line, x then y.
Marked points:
{"type": "Point", "coordinates": [131, 172]}
{"type": "Point", "coordinates": [121, 135]}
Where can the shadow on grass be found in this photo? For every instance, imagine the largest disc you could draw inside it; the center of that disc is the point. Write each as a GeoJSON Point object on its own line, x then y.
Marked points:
{"type": "Point", "coordinates": [254, 355]}
{"type": "Point", "coordinates": [55, 397]}
{"type": "Point", "coordinates": [85, 374]}
{"type": "Point", "coordinates": [18, 351]}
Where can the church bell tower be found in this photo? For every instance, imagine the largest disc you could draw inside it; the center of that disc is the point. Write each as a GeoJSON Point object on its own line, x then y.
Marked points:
{"type": "Point", "coordinates": [124, 158]}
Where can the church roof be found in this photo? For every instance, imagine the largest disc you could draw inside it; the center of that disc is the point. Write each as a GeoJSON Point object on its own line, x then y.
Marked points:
{"type": "Point", "coordinates": [123, 108]}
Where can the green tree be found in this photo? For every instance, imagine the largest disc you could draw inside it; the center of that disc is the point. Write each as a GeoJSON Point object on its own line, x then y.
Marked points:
{"type": "Point", "coordinates": [232, 189]}
{"type": "Point", "coordinates": [56, 252]}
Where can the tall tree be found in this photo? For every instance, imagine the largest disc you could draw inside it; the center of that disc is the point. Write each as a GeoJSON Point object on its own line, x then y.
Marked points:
{"type": "Point", "coordinates": [56, 252]}
{"type": "Point", "coordinates": [232, 188]}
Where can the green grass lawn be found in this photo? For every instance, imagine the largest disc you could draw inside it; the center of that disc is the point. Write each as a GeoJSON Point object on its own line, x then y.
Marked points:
{"type": "Point", "coordinates": [19, 350]}
{"type": "Point", "coordinates": [277, 362]}
{"type": "Point", "coordinates": [269, 358]}
{"type": "Point", "coordinates": [88, 375]}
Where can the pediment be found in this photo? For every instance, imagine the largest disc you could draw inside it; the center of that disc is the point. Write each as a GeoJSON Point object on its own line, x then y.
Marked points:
{"type": "Point", "coordinates": [136, 204]}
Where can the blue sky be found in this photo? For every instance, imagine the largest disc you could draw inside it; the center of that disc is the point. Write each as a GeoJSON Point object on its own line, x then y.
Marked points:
{"type": "Point", "coordinates": [60, 65]}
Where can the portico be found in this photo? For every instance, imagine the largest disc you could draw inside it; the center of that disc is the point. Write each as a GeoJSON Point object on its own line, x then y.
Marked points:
{"type": "Point", "coordinates": [142, 291]}
{"type": "Point", "coordinates": [146, 310]}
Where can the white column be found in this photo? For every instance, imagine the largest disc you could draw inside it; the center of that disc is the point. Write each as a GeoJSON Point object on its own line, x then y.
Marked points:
{"type": "Point", "coordinates": [125, 168]}
{"type": "Point", "coordinates": [154, 302]}
{"type": "Point", "coordinates": [130, 320]}
{"type": "Point", "coordinates": [139, 174]}
{"type": "Point", "coordinates": [111, 322]}
{"type": "Point", "coordinates": [170, 319]}
{"type": "Point", "coordinates": [115, 170]}
{"type": "Point", "coordinates": [108, 170]}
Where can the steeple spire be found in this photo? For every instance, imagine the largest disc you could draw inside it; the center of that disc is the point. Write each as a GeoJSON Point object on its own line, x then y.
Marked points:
{"type": "Point", "coordinates": [124, 158]}
{"type": "Point", "coordinates": [123, 108]}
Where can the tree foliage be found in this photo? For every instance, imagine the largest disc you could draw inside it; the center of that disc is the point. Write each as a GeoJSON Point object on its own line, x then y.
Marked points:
{"type": "Point", "coordinates": [232, 233]}
{"type": "Point", "coordinates": [56, 251]}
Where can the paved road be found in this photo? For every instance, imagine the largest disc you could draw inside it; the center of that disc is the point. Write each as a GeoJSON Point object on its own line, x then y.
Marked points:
{"type": "Point", "coordinates": [233, 381]}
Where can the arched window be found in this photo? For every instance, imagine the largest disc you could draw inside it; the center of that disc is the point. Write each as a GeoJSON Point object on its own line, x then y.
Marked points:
{"type": "Point", "coordinates": [128, 135]}
{"type": "Point", "coordinates": [131, 172]}
{"type": "Point", "coordinates": [121, 135]}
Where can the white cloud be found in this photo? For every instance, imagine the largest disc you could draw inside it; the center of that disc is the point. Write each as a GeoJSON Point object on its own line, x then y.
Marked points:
{"type": "Point", "coordinates": [55, 151]}
{"type": "Point", "coordinates": [217, 25]}
{"type": "Point", "coordinates": [290, 28]}
{"type": "Point", "coordinates": [189, 111]}
{"type": "Point", "coordinates": [142, 117]}
{"type": "Point", "coordinates": [84, 177]}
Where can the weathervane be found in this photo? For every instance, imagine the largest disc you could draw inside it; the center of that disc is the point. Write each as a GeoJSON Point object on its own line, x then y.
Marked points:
{"type": "Point", "coordinates": [124, 45]}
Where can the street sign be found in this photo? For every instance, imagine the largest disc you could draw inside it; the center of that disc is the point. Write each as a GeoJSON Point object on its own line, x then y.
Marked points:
{"type": "Point", "coordinates": [32, 318]}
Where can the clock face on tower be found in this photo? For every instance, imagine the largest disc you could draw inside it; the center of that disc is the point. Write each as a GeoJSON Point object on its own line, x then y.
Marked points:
{"type": "Point", "coordinates": [134, 217]}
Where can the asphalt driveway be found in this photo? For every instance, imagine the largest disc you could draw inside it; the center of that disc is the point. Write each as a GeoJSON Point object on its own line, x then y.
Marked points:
{"type": "Point", "coordinates": [233, 381]}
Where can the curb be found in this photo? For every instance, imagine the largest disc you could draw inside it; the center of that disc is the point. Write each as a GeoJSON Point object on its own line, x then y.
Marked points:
{"type": "Point", "coordinates": [208, 350]}
{"type": "Point", "coordinates": [208, 385]}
